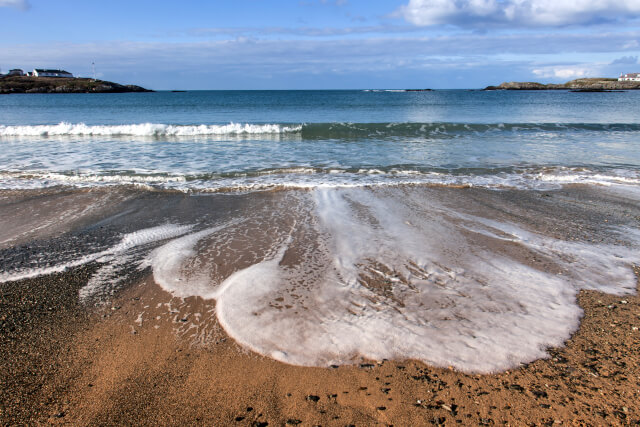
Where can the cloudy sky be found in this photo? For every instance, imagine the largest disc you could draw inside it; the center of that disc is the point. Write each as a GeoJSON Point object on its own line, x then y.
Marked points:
{"type": "Point", "coordinates": [319, 44]}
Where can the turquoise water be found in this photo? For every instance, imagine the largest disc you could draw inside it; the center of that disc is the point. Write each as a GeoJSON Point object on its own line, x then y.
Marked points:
{"type": "Point", "coordinates": [221, 140]}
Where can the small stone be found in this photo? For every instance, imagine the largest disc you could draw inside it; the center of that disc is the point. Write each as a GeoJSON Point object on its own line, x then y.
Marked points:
{"type": "Point", "coordinates": [239, 418]}
{"type": "Point", "coordinates": [381, 408]}
{"type": "Point", "coordinates": [313, 398]}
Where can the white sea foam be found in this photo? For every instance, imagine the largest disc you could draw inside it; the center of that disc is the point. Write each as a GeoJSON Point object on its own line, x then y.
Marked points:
{"type": "Point", "coordinates": [146, 129]}
{"type": "Point", "coordinates": [391, 275]}
{"type": "Point", "coordinates": [112, 259]}
{"type": "Point", "coordinates": [307, 177]}
{"type": "Point", "coordinates": [168, 262]}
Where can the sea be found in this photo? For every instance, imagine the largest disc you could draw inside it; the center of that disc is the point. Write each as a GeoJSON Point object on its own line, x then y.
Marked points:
{"type": "Point", "coordinates": [245, 140]}
{"type": "Point", "coordinates": [454, 227]}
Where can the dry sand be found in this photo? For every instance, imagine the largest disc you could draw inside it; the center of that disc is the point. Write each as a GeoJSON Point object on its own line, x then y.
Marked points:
{"type": "Point", "coordinates": [175, 365]}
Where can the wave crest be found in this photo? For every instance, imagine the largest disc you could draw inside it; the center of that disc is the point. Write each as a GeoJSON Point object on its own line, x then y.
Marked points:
{"type": "Point", "coordinates": [146, 129]}
{"type": "Point", "coordinates": [312, 131]}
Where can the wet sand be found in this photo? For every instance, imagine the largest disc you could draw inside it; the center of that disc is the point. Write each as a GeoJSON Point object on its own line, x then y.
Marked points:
{"type": "Point", "coordinates": [149, 358]}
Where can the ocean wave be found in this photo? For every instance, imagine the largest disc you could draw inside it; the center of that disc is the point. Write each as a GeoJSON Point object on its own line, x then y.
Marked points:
{"type": "Point", "coordinates": [448, 130]}
{"type": "Point", "coordinates": [147, 129]}
{"type": "Point", "coordinates": [533, 178]}
{"type": "Point", "coordinates": [316, 131]}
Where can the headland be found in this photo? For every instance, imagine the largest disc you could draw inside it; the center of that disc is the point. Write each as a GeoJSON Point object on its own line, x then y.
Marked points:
{"type": "Point", "coordinates": [31, 84]}
{"type": "Point", "coordinates": [598, 84]}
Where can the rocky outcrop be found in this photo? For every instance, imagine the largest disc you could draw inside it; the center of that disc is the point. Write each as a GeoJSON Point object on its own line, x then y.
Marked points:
{"type": "Point", "coordinates": [25, 84]}
{"type": "Point", "coordinates": [586, 85]}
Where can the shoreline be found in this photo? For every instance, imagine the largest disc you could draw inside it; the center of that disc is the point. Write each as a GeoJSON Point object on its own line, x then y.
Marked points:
{"type": "Point", "coordinates": [148, 357]}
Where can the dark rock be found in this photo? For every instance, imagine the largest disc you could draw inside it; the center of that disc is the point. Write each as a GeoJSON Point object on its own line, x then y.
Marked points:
{"type": "Point", "coordinates": [579, 85]}
{"type": "Point", "coordinates": [313, 398]}
{"type": "Point", "coordinates": [539, 393]}
{"type": "Point", "coordinates": [27, 84]}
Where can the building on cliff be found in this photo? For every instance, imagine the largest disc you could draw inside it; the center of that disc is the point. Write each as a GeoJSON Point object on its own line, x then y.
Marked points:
{"type": "Point", "coordinates": [630, 77]}
{"type": "Point", "coordinates": [16, 72]}
{"type": "Point", "coordinates": [39, 72]}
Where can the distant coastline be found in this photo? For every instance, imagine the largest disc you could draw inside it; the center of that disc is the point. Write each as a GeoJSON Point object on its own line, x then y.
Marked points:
{"type": "Point", "coordinates": [599, 84]}
{"type": "Point", "coordinates": [29, 84]}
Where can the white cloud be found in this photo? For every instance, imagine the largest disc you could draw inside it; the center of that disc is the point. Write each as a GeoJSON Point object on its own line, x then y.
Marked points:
{"type": "Point", "coordinates": [18, 4]}
{"type": "Point", "coordinates": [568, 72]}
{"type": "Point", "coordinates": [528, 13]}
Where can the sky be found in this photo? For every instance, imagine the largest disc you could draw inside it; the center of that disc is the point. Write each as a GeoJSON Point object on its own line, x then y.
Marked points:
{"type": "Point", "coordinates": [323, 44]}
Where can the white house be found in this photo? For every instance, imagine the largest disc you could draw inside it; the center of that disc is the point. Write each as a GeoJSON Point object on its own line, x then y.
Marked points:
{"type": "Point", "coordinates": [39, 72]}
{"type": "Point", "coordinates": [631, 77]}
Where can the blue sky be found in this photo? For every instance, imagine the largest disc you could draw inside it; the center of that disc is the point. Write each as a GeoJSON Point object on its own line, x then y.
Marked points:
{"type": "Point", "coordinates": [320, 44]}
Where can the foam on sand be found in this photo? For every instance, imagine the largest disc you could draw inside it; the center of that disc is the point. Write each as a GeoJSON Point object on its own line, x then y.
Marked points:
{"type": "Point", "coordinates": [383, 274]}
{"type": "Point", "coordinates": [112, 260]}
{"type": "Point", "coordinates": [332, 275]}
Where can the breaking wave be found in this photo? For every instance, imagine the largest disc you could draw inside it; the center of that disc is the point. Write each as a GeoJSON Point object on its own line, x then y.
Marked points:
{"type": "Point", "coordinates": [532, 178]}
{"type": "Point", "coordinates": [146, 129]}
{"type": "Point", "coordinates": [307, 131]}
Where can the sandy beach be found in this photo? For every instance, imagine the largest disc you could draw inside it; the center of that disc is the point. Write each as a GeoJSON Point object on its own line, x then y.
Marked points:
{"type": "Point", "coordinates": [134, 353]}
